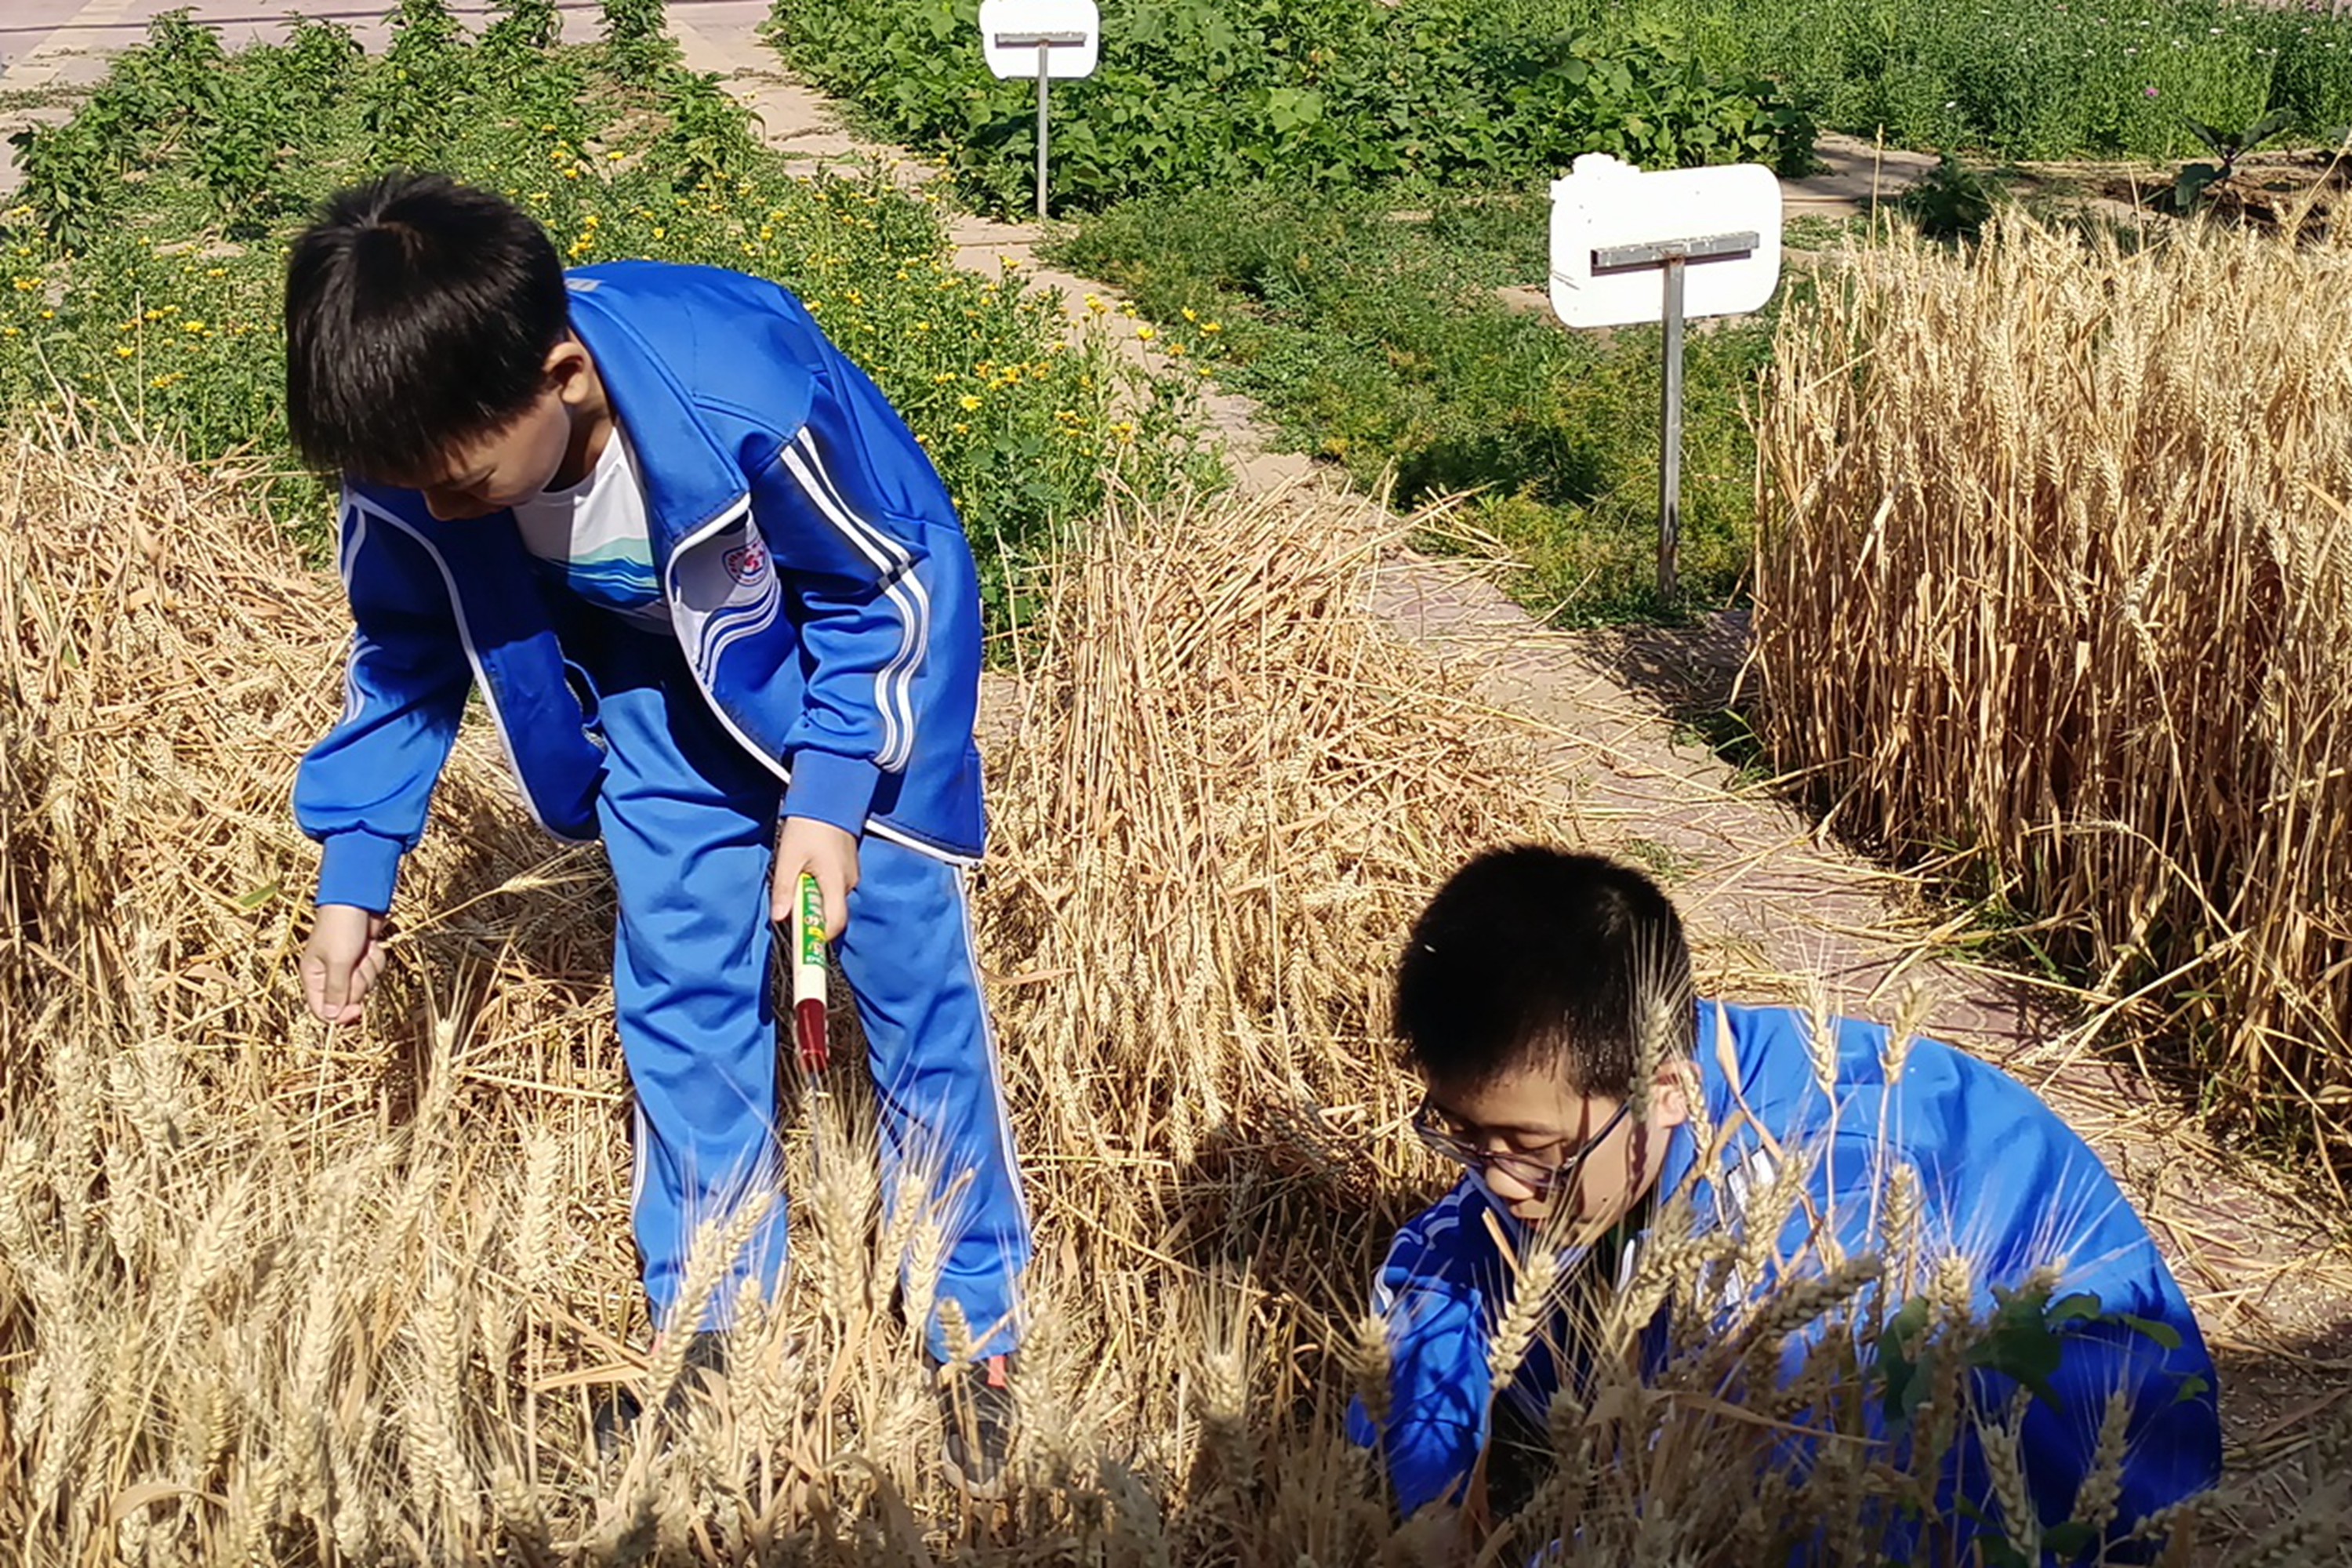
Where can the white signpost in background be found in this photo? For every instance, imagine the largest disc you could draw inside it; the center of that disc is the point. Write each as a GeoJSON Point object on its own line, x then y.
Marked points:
{"type": "Point", "coordinates": [1043, 38]}
{"type": "Point", "coordinates": [1629, 247]}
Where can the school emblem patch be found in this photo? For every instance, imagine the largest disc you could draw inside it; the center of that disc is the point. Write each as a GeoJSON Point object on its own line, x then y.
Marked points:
{"type": "Point", "coordinates": [746, 562]}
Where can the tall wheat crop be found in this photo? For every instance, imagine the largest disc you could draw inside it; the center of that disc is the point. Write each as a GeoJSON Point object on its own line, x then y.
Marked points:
{"type": "Point", "coordinates": [2055, 592]}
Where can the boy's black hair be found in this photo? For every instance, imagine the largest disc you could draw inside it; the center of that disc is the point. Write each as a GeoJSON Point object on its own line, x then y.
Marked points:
{"type": "Point", "coordinates": [1532, 957]}
{"type": "Point", "coordinates": [419, 316]}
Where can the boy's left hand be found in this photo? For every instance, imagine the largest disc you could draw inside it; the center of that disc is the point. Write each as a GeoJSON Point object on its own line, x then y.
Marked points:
{"type": "Point", "coordinates": [827, 853]}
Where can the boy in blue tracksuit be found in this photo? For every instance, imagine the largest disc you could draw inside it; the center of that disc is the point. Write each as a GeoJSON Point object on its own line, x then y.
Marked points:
{"type": "Point", "coordinates": [724, 615]}
{"type": "Point", "coordinates": [1522, 999]}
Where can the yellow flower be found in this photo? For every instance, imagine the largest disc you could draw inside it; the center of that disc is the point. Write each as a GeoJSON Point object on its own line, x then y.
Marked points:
{"type": "Point", "coordinates": [967, 403]}
{"type": "Point", "coordinates": [616, 154]}
{"type": "Point", "coordinates": [48, 315]}
{"type": "Point", "coordinates": [192, 326]}
{"type": "Point", "coordinates": [591, 220]}
{"type": "Point", "coordinates": [1188, 315]}
{"type": "Point", "coordinates": [1176, 349]}
{"type": "Point", "coordinates": [7, 331]}
{"type": "Point", "coordinates": [961, 428]}
{"type": "Point", "coordinates": [573, 173]}
{"type": "Point", "coordinates": [1146, 332]}
{"type": "Point", "coordinates": [660, 229]}
{"type": "Point", "coordinates": [124, 351]}
{"type": "Point", "coordinates": [1211, 327]}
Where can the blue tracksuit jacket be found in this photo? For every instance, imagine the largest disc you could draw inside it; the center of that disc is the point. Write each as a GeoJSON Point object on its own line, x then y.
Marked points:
{"type": "Point", "coordinates": [2002, 1181]}
{"type": "Point", "coordinates": [853, 673]}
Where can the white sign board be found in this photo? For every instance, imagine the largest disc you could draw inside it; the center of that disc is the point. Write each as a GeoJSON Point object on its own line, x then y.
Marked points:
{"type": "Point", "coordinates": [1011, 31]}
{"type": "Point", "coordinates": [1607, 212]}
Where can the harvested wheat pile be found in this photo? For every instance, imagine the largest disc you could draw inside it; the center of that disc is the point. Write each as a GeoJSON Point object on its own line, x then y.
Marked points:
{"type": "Point", "coordinates": [265, 1288]}
{"type": "Point", "coordinates": [2055, 593]}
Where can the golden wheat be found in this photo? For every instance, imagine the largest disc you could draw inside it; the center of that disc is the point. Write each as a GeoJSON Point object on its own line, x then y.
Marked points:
{"type": "Point", "coordinates": [2053, 594]}
{"type": "Point", "coordinates": [275, 1293]}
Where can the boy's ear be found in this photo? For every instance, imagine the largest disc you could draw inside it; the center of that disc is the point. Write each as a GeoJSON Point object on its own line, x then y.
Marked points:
{"type": "Point", "coordinates": [567, 369]}
{"type": "Point", "coordinates": [1670, 1094]}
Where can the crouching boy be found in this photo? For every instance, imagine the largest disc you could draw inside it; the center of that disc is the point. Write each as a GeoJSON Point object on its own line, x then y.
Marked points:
{"type": "Point", "coordinates": [1544, 1002]}
{"type": "Point", "coordinates": [719, 608]}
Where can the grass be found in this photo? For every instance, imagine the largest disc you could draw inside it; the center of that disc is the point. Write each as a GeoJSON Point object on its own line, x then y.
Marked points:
{"type": "Point", "coordinates": [1380, 340]}
{"type": "Point", "coordinates": [2055, 597]}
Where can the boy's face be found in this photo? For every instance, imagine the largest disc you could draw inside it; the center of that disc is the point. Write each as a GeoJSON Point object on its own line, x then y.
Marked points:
{"type": "Point", "coordinates": [1606, 1159]}
{"type": "Point", "coordinates": [491, 473]}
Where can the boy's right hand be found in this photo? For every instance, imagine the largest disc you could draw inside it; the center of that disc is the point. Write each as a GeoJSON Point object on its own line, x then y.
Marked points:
{"type": "Point", "coordinates": [342, 960]}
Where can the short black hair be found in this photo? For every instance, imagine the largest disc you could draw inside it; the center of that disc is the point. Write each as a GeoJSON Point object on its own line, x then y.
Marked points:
{"type": "Point", "coordinates": [419, 316]}
{"type": "Point", "coordinates": [1531, 956]}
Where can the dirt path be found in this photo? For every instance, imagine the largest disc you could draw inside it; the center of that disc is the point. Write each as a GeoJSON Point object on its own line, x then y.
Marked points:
{"type": "Point", "coordinates": [1764, 895]}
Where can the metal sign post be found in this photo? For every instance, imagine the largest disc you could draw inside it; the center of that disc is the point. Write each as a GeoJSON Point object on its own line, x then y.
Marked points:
{"type": "Point", "coordinates": [1052, 37]}
{"type": "Point", "coordinates": [1712, 235]}
{"type": "Point", "coordinates": [1671, 256]}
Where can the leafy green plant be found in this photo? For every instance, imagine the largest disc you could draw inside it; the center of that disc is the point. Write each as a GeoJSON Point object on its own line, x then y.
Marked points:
{"type": "Point", "coordinates": [1952, 202]}
{"type": "Point", "coordinates": [2194, 182]}
{"type": "Point", "coordinates": [524, 31]}
{"type": "Point", "coordinates": [711, 135]}
{"type": "Point", "coordinates": [72, 177]}
{"type": "Point", "coordinates": [414, 101]}
{"type": "Point", "coordinates": [1327, 93]}
{"type": "Point", "coordinates": [637, 47]}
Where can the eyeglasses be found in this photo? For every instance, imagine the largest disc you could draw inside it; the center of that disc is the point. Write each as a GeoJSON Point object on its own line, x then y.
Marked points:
{"type": "Point", "coordinates": [1537, 1174]}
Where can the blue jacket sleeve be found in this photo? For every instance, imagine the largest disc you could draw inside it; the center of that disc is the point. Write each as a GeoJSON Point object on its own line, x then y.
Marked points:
{"type": "Point", "coordinates": [869, 547]}
{"type": "Point", "coordinates": [364, 791]}
{"type": "Point", "coordinates": [1440, 1387]}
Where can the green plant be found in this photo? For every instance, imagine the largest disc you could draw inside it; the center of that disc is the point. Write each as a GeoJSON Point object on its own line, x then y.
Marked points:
{"type": "Point", "coordinates": [1954, 201]}
{"type": "Point", "coordinates": [709, 134]}
{"type": "Point", "coordinates": [2190, 188]}
{"type": "Point", "coordinates": [1331, 94]}
{"type": "Point", "coordinates": [637, 45]}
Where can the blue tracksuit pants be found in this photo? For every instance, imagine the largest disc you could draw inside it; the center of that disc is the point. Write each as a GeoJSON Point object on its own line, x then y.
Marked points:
{"type": "Point", "coordinates": [689, 825]}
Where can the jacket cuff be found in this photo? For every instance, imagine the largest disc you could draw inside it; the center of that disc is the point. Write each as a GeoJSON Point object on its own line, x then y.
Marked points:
{"type": "Point", "coordinates": [834, 789]}
{"type": "Point", "coordinates": [359, 868]}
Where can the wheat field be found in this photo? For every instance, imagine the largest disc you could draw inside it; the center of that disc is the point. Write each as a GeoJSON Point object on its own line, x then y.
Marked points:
{"type": "Point", "coordinates": [272, 1294]}
{"type": "Point", "coordinates": [2054, 597]}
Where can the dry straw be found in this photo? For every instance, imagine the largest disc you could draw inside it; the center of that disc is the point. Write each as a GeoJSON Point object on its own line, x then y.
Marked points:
{"type": "Point", "coordinates": [2054, 593]}
{"type": "Point", "coordinates": [271, 1293]}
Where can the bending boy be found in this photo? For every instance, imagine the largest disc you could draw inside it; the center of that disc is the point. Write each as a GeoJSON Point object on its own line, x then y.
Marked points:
{"type": "Point", "coordinates": [720, 606]}
{"type": "Point", "coordinates": [1545, 1001]}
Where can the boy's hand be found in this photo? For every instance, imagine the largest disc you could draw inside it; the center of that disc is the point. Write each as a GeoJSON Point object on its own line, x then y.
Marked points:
{"type": "Point", "coordinates": [827, 853]}
{"type": "Point", "coordinates": [342, 960]}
